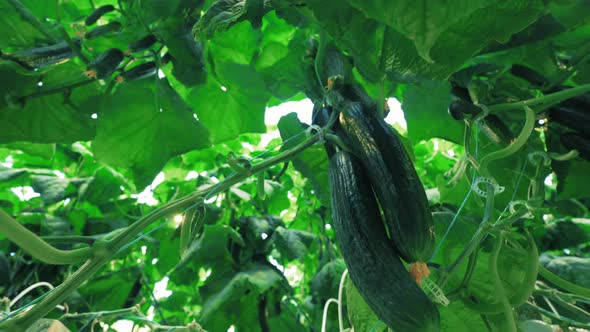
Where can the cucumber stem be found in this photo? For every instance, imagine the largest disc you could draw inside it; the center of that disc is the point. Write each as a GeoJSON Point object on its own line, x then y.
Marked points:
{"type": "Point", "coordinates": [26, 14]}
{"type": "Point", "coordinates": [562, 283]}
{"type": "Point", "coordinates": [545, 101]}
{"type": "Point", "coordinates": [501, 293]}
{"type": "Point", "coordinates": [520, 140]}
{"type": "Point", "coordinates": [38, 248]}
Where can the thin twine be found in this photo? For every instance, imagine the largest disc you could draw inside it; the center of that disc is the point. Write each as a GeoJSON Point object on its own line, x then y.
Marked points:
{"type": "Point", "coordinates": [456, 216]}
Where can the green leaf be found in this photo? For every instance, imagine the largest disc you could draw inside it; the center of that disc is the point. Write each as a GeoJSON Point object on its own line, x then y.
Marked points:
{"type": "Point", "coordinates": [45, 120]}
{"type": "Point", "coordinates": [435, 24]}
{"type": "Point", "coordinates": [241, 291]}
{"type": "Point", "coordinates": [313, 162]}
{"type": "Point", "coordinates": [223, 14]}
{"type": "Point", "coordinates": [15, 30]}
{"type": "Point", "coordinates": [99, 291]}
{"type": "Point", "coordinates": [133, 132]}
{"type": "Point", "coordinates": [51, 188]}
{"type": "Point", "coordinates": [104, 185]}
{"type": "Point", "coordinates": [326, 281]}
{"type": "Point", "coordinates": [293, 243]}
{"type": "Point", "coordinates": [425, 109]}
{"type": "Point", "coordinates": [233, 108]}
{"type": "Point", "coordinates": [455, 317]}
{"type": "Point", "coordinates": [361, 316]}
{"type": "Point", "coordinates": [45, 151]}
{"type": "Point", "coordinates": [237, 45]}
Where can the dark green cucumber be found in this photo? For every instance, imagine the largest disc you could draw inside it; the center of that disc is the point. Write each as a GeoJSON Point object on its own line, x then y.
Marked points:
{"type": "Point", "coordinates": [143, 70]}
{"type": "Point", "coordinates": [363, 145]}
{"type": "Point", "coordinates": [373, 264]}
{"type": "Point", "coordinates": [496, 130]}
{"type": "Point", "coordinates": [578, 142]}
{"type": "Point", "coordinates": [529, 75]}
{"type": "Point", "coordinates": [413, 233]}
{"type": "Point", "coordinates": [98, 13]}
{"type": "Point", "coordinates": [575, 118]}
{"type": "Point", "coordinates": [459, 108]}
{"type": "Point", "coordinates": [143, 44]}
{"type": "Point", "coordinates": [44, 56]}
{"type": "Point", "coordinates": [102, 30]}
{"type": "Point", "coordinates": [106, 63]}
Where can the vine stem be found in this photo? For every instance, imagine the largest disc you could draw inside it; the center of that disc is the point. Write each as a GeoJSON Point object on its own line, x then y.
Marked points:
{"type": "Point", "coordinates": [562, 283]}
{"type": "Point", "coordinates": [520, 141]}
{"type": "Point", "coordinates": [105, 250]}
{"type": "Point", "coordinates": [38, 248]}
{"type": "Point", "coordinates": [29, 17]}
{"type": "Point", "coordinates": [507, 309]}
{"type": "Point", "coordinates": [545, 101]}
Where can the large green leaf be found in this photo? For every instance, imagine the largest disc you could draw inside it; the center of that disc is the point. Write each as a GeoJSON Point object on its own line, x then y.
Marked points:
{"type": "Point", "coordinates": [45, 120]}
{"type": "Point", "coordinates": [240, 291]}
{"type": "Point", "coordinates": [434, 24]}
{"type": "Point", "coordinates": [425, 109]}
{"type": "Point", "coordinates": [233, 108]}
{"type": "Point", "coordinates": [313, 162]}
{"type": "Point", "coordinates": [143, 133]}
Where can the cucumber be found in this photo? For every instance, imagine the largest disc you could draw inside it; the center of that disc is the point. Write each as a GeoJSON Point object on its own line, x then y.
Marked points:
{"type": "Point", "coordinates": [578, 142]}
{"type": "Point", "coordinates": [143, 70]}
{"type": "Point", "coordinates": [496, 130]}
{"type": "Point", "coordinates": [44, 56]}
{"type": "Point", "coordinates": [143, 44]}
{"type": "Point", "coordinates": [573, 117]}
{"type": "Point", "coordinates": [98, 13]}
{"type": "Point", "coordinates": [102, 30]}
{"type": "Point", "coordinates": [414, 233]}
{"type": "Point", "coordinates": [529, 75]}
{"type": "Point", "coordinates": [459, 107]}
{"type": "Point", "coordinates": [105, 64]}
{"type": "Point", "coordinates": [392, 177]}
{"type": "Point", "coordinates": [373, 263]}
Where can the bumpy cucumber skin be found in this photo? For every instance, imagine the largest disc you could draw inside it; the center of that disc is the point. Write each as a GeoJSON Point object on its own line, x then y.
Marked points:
{"type": "Point", "coordinates": [98, 13]}
{"type": "Point", "coordinates": [143, 70]}
{"type": "Point", "coordinates": [575, 118]}
{"type": "Point", "coordinates": [415, 228]}
{"type": "Point", "coordinates": [107, 62]}
{"type": "Point", "coordinates": [103, 30]}
{"type": "Point", "coordinates": [411, 231]}
{"type": "Point", "coordinates": [373, 263]}
{"type": "Point", "coordinates": [44, 56]}
{"type": "Point", "coordinates": [143, 43]}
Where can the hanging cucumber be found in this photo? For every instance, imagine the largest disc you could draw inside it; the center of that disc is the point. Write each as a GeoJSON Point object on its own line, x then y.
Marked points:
{"type": "Point", "coordinates": [143, 44]}
{"type": "Point", "coordinates": [577, 142]}
{"type": "Point", "coordinates": [102, 30]}
{"type": "Point", "coordinates": [415, 228]}
{"type": "Point", "coordinates": [143, 70]}
{"type": "Point", "coordinates": [575, 118]}
{"type": "Point", "coordinates": [332, 67]}
{"type": "Point", "coordinates": [98, 13]}
{"type": "Point", "coordinates": [105, 64]}
{"type": "Point", "coordinates": [44, 56]}
{"type": "Point", "coordinates": [400, 194]}
{"type": "Point", "coordinates": [373, 264]}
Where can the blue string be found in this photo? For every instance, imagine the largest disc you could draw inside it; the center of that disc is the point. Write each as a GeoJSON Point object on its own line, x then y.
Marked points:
{"type": "Point", "coordinates": [524, 165]}
{"type": "Point", "coordinates": [442, 240]}
{"type": "Point", "coordinates": [141, 237]}
{"type": "Point", "coordinates": [375, 326]}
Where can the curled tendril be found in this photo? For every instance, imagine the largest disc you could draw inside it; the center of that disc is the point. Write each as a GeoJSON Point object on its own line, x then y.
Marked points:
{"type": "Point", "coordinates": [563, 157]}
{"type": "Point", "coordinates": [514, 204]}
{"type": "Point", "coordinates": [536, 156]}
{"type": "Point", "coordinates": [317, 129]}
